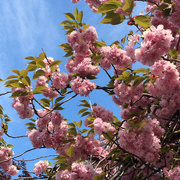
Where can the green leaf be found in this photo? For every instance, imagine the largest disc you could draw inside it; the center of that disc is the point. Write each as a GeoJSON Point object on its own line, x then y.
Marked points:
{"type": "Point", "coordinates": [66, 47]}
{"type": "Point", "coordinates": [63, 91]}
{"type": "Point", "coordinates": [17, 84]}
{"type": "Point", "coordinates": [138, 80]}
{"type": "Point", "coordinates": [84, 131]}
{"type": "Point", "coordinates": [59, 99]}
{"type": "Point", "coordinates": [115, 2]}
{"type": "Point", "coordinates": [70, 53]}
{"type": "Point", "coordinates": [82, 110]}
{"type": "Point", "coordinates": [44, 101]}
{"type": "Point", "coordinates": [78, 124]}
{"type": "Point", "coordinates": [70, 151]}
{"type": "Point", "coordinates": [72, 132]}
{"type": "Point", "coordinates": [76, 12]}
{"type": "Point", "coordinates": [61, 160]}
{"type": "Point", "coordinates": [126, 74]}
{"type": "Point", "coordinates": [38, 73]}
{"type": "Point", "coordinates": [173, 53]}
{"type": "Point", "coordinates": [142, 70]}
{"type": "Point", "coordinates": [161, 7]}
{"type": "Point", "coordinates": [123, 39]}
{"type": "Point", "coordinates": [30, 124]}
{"type": "Point", "coordinates": [128, 7]}
{"type": "Point", "coordinates": [106, 8]}
{"type": "Point", "coordinates": [23, 73]}
{"type": "Point", "coordinates": [42, 56]}
{"type": "Point", "coordinates": [100, 176]}
{"type": "Point", "coordinates": [168, 1]}
{"type": "Point", "coordinates": [31, 67]}
{"type": "Point", "coordinates": [99, 44]}
{"type": "Point", "coordinates": [12, 76]}
{"type": "Point", "coordinates": [31, 119]}
{"type": "Point", "coordinates": [85, 114]}
{"type": "Point", "coordinates": [69, 16]}
{"type": "Point", "coordinates": [86, 26]}
{"type": "Point", "coordinates": [143, 21]}
{"type": "Point", "coordinates": [113, 18]}
{"type": "Point", "coordinates": [41, 64]}
{"type": "Point", "coordinates": [15, 71]}
{"type": "Point", "coordinates": [1, 80]}
{"type": "Point", "coordinates": [18, 93]}
{"type": "Point", "coordinates": [10, 145]}
{"type": "Point", "coordinates": [26, 80]}
{"type": "Point", "coordinates": [29, 58]}
{"type": "Point", "coordinates": [55, 63]}
{"type": "Point", "coordinates": [39, 89]}
{"type": "Point", "coordinates": [140, 124]}
{"type": "Point", "coordinates": [79, 17]}
{"type": "Point", "coordinates": [72, 125]}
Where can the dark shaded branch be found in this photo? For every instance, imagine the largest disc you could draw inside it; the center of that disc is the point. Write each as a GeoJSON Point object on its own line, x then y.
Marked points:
{"type": "Point", "coordinates": [5, 93]}
{"type": "Point", "coordinates": [15, 136]}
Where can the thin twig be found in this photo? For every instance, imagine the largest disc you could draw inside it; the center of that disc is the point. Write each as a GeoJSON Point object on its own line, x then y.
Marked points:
{"type": "Point", "coordinates": [171, 60]}
{"type": "Point", "coordinates": [15, 136]}
{"type": "Point", "coordinates": [35, 158]}
{"type": "Point", "coordinates": [5, 93]}
{"type": "Point", "coordinates": [20, 154]}
{"type": "Point", "coordinates": [59, 104]}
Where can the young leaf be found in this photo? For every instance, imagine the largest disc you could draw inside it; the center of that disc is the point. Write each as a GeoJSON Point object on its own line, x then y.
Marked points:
{"type": "Point", "coordinates": [138, 80]}
{"type": "Point", "coordinates": [79, 17]}
{"type": "Point", "coordinates": [70, 151]}
{"type": "Point", "coordinates": [38, 73]}
{"type": "Point", "coordinates": [78, 124]}
{"type": "Point", "coordinates": [55, 63]}
{"type": "Point", "coordinates": [69, 16]}
{"type": "Point", "coordinates": [39, 89]}
{"type": "Point", "coordinates": [128, 7]}
{"type": "Point", "coordinates": [143, 21]}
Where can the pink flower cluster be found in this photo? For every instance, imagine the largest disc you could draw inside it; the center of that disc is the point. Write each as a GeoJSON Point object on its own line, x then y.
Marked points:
{"type": "Point", "coordinates": [102, 127]}
{"type": "Point", "coordinates": [81, 41]}
{"type": "Point", "coordinates": [82, 65]}
{"type": "Point", "coordinates": [131, 173]}
{"type": "Point", "coordinates": [159, 19]}
{"type": "Point", "coordinates": [156, 43]}
{"type": "Point", "coordinates": [5, 154]}
{"type": "Point", "coordinates": [40, 166]}
{"type": "Point", "coordinates": [51, 132]}
{"type": "Point", "coordinates": [79, 170]}
{"type": "Point", "coordinates": [100, 112]}
{"type": "Point", "coordinates": [142, 141]}
{"type": "Point", "coordinates": [173, 174]}
{"type": "Point", "coordinates": [49, 92]}
{"type": "Point", "coordinates": [21, 104]}
{"type": "Point", "coordinates": [84, 147]}
{"type": "Point", "coordinates": [133, 39]}
{"type": "Point", "coordinates": [47, 69]}
{"type": "Point", "coordinates": [60, 80]}
{"type": "Point", "coordinates": [166, 86]}
{"type": "Point", "coordinates": [125, 92]}
{"type": "Point", "coordinates": [115, 56]}
{"type": "Point", "coordinates": [82, 86]}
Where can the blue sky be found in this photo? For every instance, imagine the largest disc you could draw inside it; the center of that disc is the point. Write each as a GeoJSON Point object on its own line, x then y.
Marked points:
{"type": "Point", "coordinates": [28, 26]}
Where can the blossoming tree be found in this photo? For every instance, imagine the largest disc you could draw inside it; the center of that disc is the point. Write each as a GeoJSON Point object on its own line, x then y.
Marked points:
{"type": "Point", "coordinates": [144, 143]}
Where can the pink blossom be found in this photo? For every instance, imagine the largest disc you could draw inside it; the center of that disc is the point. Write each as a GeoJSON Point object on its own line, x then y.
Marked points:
{"type": "Point", "coordinates": [156, 43]}
{"type": "Point", "coordinates": [12, 170]}
{"type": "Point", "coordinates": [40, 166]}
{"type": "Point", "coordinates": [60, 80]}
{"type": "Point", "coordinates": [82, 87]}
